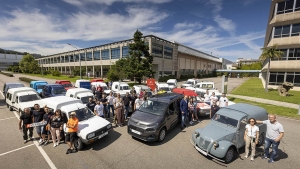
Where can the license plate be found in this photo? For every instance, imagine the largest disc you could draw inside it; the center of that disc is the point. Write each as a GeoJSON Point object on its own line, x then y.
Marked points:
{"type": "Point", "coordinates": [136, 132]}
{"type": "Point", "coordinates": [102, 135]}
{"type": "Point", "coordinates": [201, 151]}
{"type": "Point", "coordinates": [36, 124]}
{"type": "Point", "coordinates": [207, 113]}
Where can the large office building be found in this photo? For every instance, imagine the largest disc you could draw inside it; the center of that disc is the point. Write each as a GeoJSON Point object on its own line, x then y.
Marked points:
{"type": "Point", "coordinates": [284, 30]}
{"type": "Point", "coordinates": [9, 60]}
{"type": "Point", "coordinates": [170, 58]}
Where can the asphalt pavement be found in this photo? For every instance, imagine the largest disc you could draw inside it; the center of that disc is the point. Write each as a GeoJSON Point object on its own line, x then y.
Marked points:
{"type": "Point", "coordinates": [119, 150]}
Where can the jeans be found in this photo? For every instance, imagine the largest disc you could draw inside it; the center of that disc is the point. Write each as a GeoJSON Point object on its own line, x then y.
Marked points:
{"type": "Point", "coordinates": [183, 118]}
{"type": "Point", "coordinates": [112, 109]}
{"type": "Point", "coordinates": [127, 110]}
{"type": "Point", "coordinates": [25, 132]}
{"type": "Point", "coordinates": [105, 111]}
{"type": "Point", "coordinates": [268, 143]}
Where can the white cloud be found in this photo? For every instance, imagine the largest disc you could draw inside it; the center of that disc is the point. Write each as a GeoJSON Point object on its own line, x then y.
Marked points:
{"type": "Point", "coordinates": [110, 2]}
{"type": "Point", "coordinates": [186, 25]}
{"type": "Point", "coordinates": [226, 24]}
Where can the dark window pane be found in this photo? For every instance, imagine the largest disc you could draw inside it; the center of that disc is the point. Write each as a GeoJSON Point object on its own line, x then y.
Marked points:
{"type": "Point", "coordinates": [277, 31]}
{"type": "Point", "coordinates": [286, 30]}
{"type": "Point", "coordinates": [115, 53]}
{"type": "Point", "coordinates": [296, 30]}
{"type": "Point", "coordinates": [280, 78]}
{"type": "Point", "coordinates": [125, 50]}
{"type": "Point", "coordinates": [289, 6]}
{"type": "Point", "coordinates": [89, 56]}
{"type": "Point", "coordinates": [284, 56]}
{"type": "Point", "coordinates": [280, 7]}
{"type": "Point", "coordinates": [105, 54]}
{"type": "Point", "coordinates": [272, 78]}
{"type": "Point", "coordinates": [291, 55]}
{"type": "Point", "coordinates": [297, 79]}
{"type": "Point", "coordinates": [97, 55]}
{"type": "Point", "coordinates": [82, 56]}
{"type": "Point", "coordinates": [297, 53]}
{"type": "Point", "coordinates": [290, 78]}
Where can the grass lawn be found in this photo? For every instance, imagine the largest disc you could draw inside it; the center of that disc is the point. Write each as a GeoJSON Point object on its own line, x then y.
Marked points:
{"type": "Point", "coordinates": [253, 87]}
{"type": "Point", "coordinates": [62, 77]}
{"type": "Point", "coordinates": [278, 110]}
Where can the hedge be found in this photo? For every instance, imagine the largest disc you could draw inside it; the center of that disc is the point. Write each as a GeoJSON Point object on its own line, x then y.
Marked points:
{"type": "Point", "coordinates": [25, 79]}
{"type": "Point", "coordinates": [7, 74]}
{"type": "Point", "coordinates": [166, 78]}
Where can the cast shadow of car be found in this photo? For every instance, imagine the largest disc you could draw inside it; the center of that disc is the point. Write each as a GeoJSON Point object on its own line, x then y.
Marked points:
{"type": "Point", "coordinates": [2, 102]}
{"type": "Point", "coordinates": [103, 142]}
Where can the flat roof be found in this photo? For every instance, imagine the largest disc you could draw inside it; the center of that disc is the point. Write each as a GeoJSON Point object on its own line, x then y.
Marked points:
{"type": "Point", "coordinates": [239, 71]}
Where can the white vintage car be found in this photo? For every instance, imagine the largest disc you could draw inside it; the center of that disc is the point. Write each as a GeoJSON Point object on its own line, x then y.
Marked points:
{"type": "Point", "coordinates": [207, 85]}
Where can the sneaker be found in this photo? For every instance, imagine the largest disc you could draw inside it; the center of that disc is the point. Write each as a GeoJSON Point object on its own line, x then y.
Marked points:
{"type": "Point", "coordinates": [264, 157]}
{"type": "Point", "coordinates": [252, 158]}
{"type": "Point", "coordinates": [46, 142]}
{"type": "Point", "coordinates": [41, 143]}
{"type": "Point", "coordinates": [73, 151]}
{"type": "Point", "coordinates": [54, 145]}
{"type": "Point", "coordinates": [246, 156]}
{"type": "Point", "coordinates": [68, 151]}
{"type": "Point", "coordinates": [41, 140]}
{"type": "Point", "coordinates": [57, 143]}
{"type": "Point", "coordinates": [271, 161]}
{"type": "Point", "coordinates": [25, 141]}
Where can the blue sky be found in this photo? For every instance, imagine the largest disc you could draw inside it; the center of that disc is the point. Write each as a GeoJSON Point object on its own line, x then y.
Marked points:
{"type": "Point", "coordinates": [230, 29]}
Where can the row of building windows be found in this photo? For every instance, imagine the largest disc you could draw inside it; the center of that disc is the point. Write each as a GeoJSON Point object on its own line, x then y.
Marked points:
{"type": "Point", "coordinates": [290, 54]}
{"type": "Point", "coordinates": [162, 51]}
{"type": "Point", "coordinates": [288, 6]}
{"type": "Point", "coordinates": [191, 71]}
{"type": "Point", "coordinates": [287, 30]}
{"type": "Point", "coordinates": [277, 78]}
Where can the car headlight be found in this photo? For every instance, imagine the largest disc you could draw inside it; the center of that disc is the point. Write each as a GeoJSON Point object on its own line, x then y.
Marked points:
{"type": "Point", "coordinates": [216, 144]}
{"type": "Point", "coordinates": [91, 135]}
{"type": "Point", "coordinates": [150, 130]}
{"type": "Point", "coordinates": [197, 134]}
{"type": "Point", "coordinates": [108, 126]}
{"type": "Point", "coordinates": [152, 125]}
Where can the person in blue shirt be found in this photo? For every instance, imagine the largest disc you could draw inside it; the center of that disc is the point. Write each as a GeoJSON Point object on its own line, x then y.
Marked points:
{"type": "Point", "coordinates": [184, 111]}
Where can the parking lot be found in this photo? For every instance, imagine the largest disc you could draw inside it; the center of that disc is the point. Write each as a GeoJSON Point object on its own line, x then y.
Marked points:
{"type": "Point", "coordinates": [119, 150]}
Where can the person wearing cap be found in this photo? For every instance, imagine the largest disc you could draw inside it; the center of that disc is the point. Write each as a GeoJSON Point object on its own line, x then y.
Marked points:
{"type": "Point", "coordinates": [223, 101]}
{"type": "Point", "coordinates": [72, 126]}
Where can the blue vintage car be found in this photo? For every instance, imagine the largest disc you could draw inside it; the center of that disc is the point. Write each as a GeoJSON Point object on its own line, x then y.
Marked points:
{"type": "Point", "coordinates": [52, 90]}
{"type": "Point", "coordinates": [222, 138]}
{"type": "Point", "coordinates": [38, 86]}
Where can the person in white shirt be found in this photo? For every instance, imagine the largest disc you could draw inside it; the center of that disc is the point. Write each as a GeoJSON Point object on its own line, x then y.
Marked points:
{"type": "Point", "coordinates": [213, 97]}
{"type": "Point", "coordinates": [251, 137]}
{"type": "Point", "coordinates": [99, 108]}
{"type": "Point", "coordinates": [110, 99]}
{"type": "Point", "coordinates": [223, 102]}
{"type": "Point", "coordinates": [207, 97]}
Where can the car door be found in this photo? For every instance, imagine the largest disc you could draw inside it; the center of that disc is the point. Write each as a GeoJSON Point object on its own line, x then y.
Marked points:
{"type": "Point", "coordinates": [170, 115]}
{"type": "Point", "coordinates": [241, 131]}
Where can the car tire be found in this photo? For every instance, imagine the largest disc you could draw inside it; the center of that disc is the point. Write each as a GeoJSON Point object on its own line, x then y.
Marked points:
{"type": "Point", "coordinates": [10, 108]}
{"type": "Point", "coordinates": [7, 105]}
{"type": "Point", "coordinates": [230, 155]}
{"type": "Point", "coordinates": [261, 139]}
{"type": "Point", "coordinates": [162, 135]}
{"type": "Point", "coordinates": [78, 143]}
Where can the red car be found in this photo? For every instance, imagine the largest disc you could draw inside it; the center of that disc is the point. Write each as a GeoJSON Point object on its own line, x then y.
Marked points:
{"type": "Point", "coordinates": [97, 80]}
{"type": "Point", "coordinates": [66, 83]}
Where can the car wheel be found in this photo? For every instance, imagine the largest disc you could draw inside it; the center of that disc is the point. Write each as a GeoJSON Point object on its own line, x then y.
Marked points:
{"type": "Point", "coordinates": [261, 139]}
{"type": "Point", "coordinates": [230, 155]}
{"type": "Point", "coordinates": [78, 143]}
{"type": "Point", "coordinates": [162, 135]}
{"type": "Point", "coordinates": [7, 105]}
{"type": "Point", "coordinates": [10, 108]}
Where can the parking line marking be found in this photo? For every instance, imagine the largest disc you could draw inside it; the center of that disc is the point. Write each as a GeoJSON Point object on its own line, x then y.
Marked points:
{"type": "Point", "coordinates": [42, 151]}
{"type": "Point", "coordinates": [16, 150]}
{"type": "Point", "coordinates": [2, 94]}
{"type": "Point", "coordinates": [7, 118]}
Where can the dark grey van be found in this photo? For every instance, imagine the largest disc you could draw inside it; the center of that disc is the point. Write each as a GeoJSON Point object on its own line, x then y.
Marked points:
{"type": "Point", "coordinates": [11, 85]}
{"type": "Point", "coordinates": [155, 117]}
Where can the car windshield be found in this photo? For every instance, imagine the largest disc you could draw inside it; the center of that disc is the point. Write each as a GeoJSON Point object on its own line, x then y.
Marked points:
{"type": "Point", "coordinates": [225, 120]}
{"type": "Point", "coordinates": [28, 98]}
{"type": "Point", "coordinates": [40, 86]}
{"type": "Point", "coordinates": [189, 82]}
{"type": "Point", "coordinates": [154, 107]}
{"type": "Point", "coordinates": [171, 84]}
{"type": "Point", "coordinates": [208, 86]}
{"type": "Point", "coordinates": [83, 114]}
{"type": "Point", "coordinates": [106, 88]}
{"type": "Point", "coordinates": [59, 91]}
{"type": "Point", "coordinates": [165, 88]}
{"type": "Point", "coordinates": [124, 87]}
{"type": "Point", "coordinates": [67, 85]}
{"type": "Point", "coordinates": [85, 100]}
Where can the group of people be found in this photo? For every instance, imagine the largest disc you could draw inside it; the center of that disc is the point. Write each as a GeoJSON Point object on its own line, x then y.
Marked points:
{"type": "Point", "coordinates": [51, 124]}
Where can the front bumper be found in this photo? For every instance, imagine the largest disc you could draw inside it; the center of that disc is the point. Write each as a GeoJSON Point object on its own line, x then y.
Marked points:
{"type": "Point", "coordinates": [203, 112]}
{"type": "Point", "coordinates": [99, 134]}
{"type": "Point", "coordinates": [142, 134]}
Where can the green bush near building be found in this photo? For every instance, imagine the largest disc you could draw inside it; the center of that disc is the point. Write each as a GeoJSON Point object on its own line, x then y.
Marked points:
{"type": "Point", "coordinates": [166, 78]}
{"type": "Point", "coordinates": [7, 74]}
{"type": "Point", "coordinates": [25, 79]}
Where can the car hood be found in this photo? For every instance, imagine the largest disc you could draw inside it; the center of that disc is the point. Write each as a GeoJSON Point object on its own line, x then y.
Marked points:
{"type": "Point", "coordinates": [92, 124]}
{"type": "Point", "coordinates": [214, 131]}
{"type": "Point", "coordinates": [145, 118]}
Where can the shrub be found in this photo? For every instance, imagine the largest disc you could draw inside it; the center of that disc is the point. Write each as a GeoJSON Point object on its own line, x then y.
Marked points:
{"type": "Point", "coordinates": [71, 76]}
{"type": "Point", "coordinates": [166, 78]}
{"type": "Point", "coordinates": [25, 79]}
{"type": "Point", "coordinates": [7, 74]}
{"type": "Point", "coordinates": [56, 73]}
{"type": "Point", "coordinates": [186, 77]}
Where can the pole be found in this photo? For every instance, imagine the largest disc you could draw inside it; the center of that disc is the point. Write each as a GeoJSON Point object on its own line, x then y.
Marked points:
{"type": "Point", "coordinates": [79, 59]}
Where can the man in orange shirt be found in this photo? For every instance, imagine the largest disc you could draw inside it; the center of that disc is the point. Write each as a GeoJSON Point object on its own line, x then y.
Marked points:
{"type": "Point", "coordinates": [72, 126]}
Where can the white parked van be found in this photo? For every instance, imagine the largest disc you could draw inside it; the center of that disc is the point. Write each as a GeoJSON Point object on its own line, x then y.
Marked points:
{"type": "Point", "coordinates": [190, 83]}
{"type": "Point", "coordinates": [164, 87]}
{"type": "Point", "coordinates": [139, 88]}
{"type": "Point", "coordinates": [120, 87]}
{"type": "Point", "coordinates": [80, 93]}
{"type": "Point", "coordinates": [90, 127]}
{"type": "Point", "coordinates": [207, 85]}
{"type": "Point", "coordinates": [23, 97]}
{"type": "Point", "coordinates": [172, 83]}
{"type": "Point", "coordinates": [103, 85]}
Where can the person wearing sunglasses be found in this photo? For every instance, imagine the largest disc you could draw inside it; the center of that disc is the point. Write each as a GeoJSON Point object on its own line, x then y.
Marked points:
{"type": "Point", "coordinates": [251, 137]}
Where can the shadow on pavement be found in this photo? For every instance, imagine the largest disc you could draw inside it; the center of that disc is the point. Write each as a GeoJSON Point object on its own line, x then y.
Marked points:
{"type": "Point", "coordinates": [2, 102]}
{"type": "Point", "coordinates": [103, 142]}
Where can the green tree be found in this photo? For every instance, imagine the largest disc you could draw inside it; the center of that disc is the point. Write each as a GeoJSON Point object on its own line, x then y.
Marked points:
{"type": "Point", "coordinates": [76, 71]}
{"type": "Point", "coordinates": [139, 59]}
{"type": "Point", "coordinates": [28, 64]}
{"type": "Point", "coordinates": [118, 71]}
{"type": "Point", "coordinates": [269, 53]}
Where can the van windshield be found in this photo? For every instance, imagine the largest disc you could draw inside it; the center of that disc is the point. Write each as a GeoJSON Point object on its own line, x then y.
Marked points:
{"type": "Point", "coordinates": [154, 107]}
{"type": "Point", "coordinates": [208, 86]}
{"type": "Point", "coordinates": [28, 98]}
{"type": "Point", "coordinates": [189, 82]}
{"type": "Point", "coordinates": [171, 84]}
{"type": "Point", "coordinates": [58, 91]}
{"type": "Point", "coordinates": [106, 88]}
{"type": "Point", "coordinates": [85, 100]}
{"type": "Point", "coordinates": [124, 88]}
{"type": "Point", "coordinates": [83, 114]}
{"type": "Point", "coordinates": [225, 120]}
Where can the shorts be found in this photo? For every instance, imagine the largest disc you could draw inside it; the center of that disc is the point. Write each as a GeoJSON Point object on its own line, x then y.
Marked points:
{"type": "Point", "coordinates": [44, 131]}
{"type": "Point", "coordinates": [70, 137]}
{"type": "Point", "coordinates": [39, 129]}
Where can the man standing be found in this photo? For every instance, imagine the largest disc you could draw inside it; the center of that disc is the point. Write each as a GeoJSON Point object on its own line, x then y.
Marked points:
{"type": "Point", "coordinates": [274, 134]}
{"type": "Point", "coordinates": [110, 98]}
{"type": "Point", "coordinates": [127, 102]}
{"type": "Point", "coordinates": [98, 110]}
{"type": "Point", "coordinates": [104, 103]}
{"type": "Point", "coordinates": [223, 102]}
{"type": "Point", "coordinates": [72, 126]}
{"type": "Point", "coordinates": [26, 118]}
{"type": "Point", "coordinates": [213, 110]}
{"type": "Point", "coordinates": [91, 104]}
{"type": "Point", "coordinates": [132, 91]}
{"type": "Point", "coordinates": [45, 130]}
{"type": "Point", "coordinates": [98, 93]}
{"type": "Point", "coordinates": [207, 97]}
{"type": "Point", "coordinates": [183, 110]}
{"type": "Point", "coordinates": [38, 115]}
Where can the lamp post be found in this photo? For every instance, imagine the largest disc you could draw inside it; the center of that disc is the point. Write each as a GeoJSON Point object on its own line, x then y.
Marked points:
{"type": "Point", "coordinates": [79, 59]}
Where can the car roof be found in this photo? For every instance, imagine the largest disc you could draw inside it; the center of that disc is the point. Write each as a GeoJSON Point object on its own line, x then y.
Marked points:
{"type": "Point", "coordinates": [78, 90]}
{"type": "Point", "coordinates": [26, 93]}
{"type": "Point", "coordinates": [13, 83]}
{"type": "Point", "coordinates": [58, 101]}
{"type": "Point", "coordinates": [166, 97]}
{"type": "Point", "coordinates": [21, 89]}
{"type": "Point", "coordinates": [54, 85]}
{"type": "Point", "coordinates": [239, 110]}
{"type": "Point", "coordinates": [38, 81]}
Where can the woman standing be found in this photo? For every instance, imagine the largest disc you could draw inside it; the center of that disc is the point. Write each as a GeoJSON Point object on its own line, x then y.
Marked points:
{"type": "Point", "coordinates": [194, 115]}
{"type": "Point", "coordinates": [191, 109]}
{"type": "Point", "coordinates": [119, 108]}
{"type": "Point", "coordinates": [56, 124]}
{"type": "Point", "coordinates": [251, 137]}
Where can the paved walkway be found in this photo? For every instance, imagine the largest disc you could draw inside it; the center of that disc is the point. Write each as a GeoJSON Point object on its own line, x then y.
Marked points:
{"type": "Point", "coordinates": [260, 100]}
